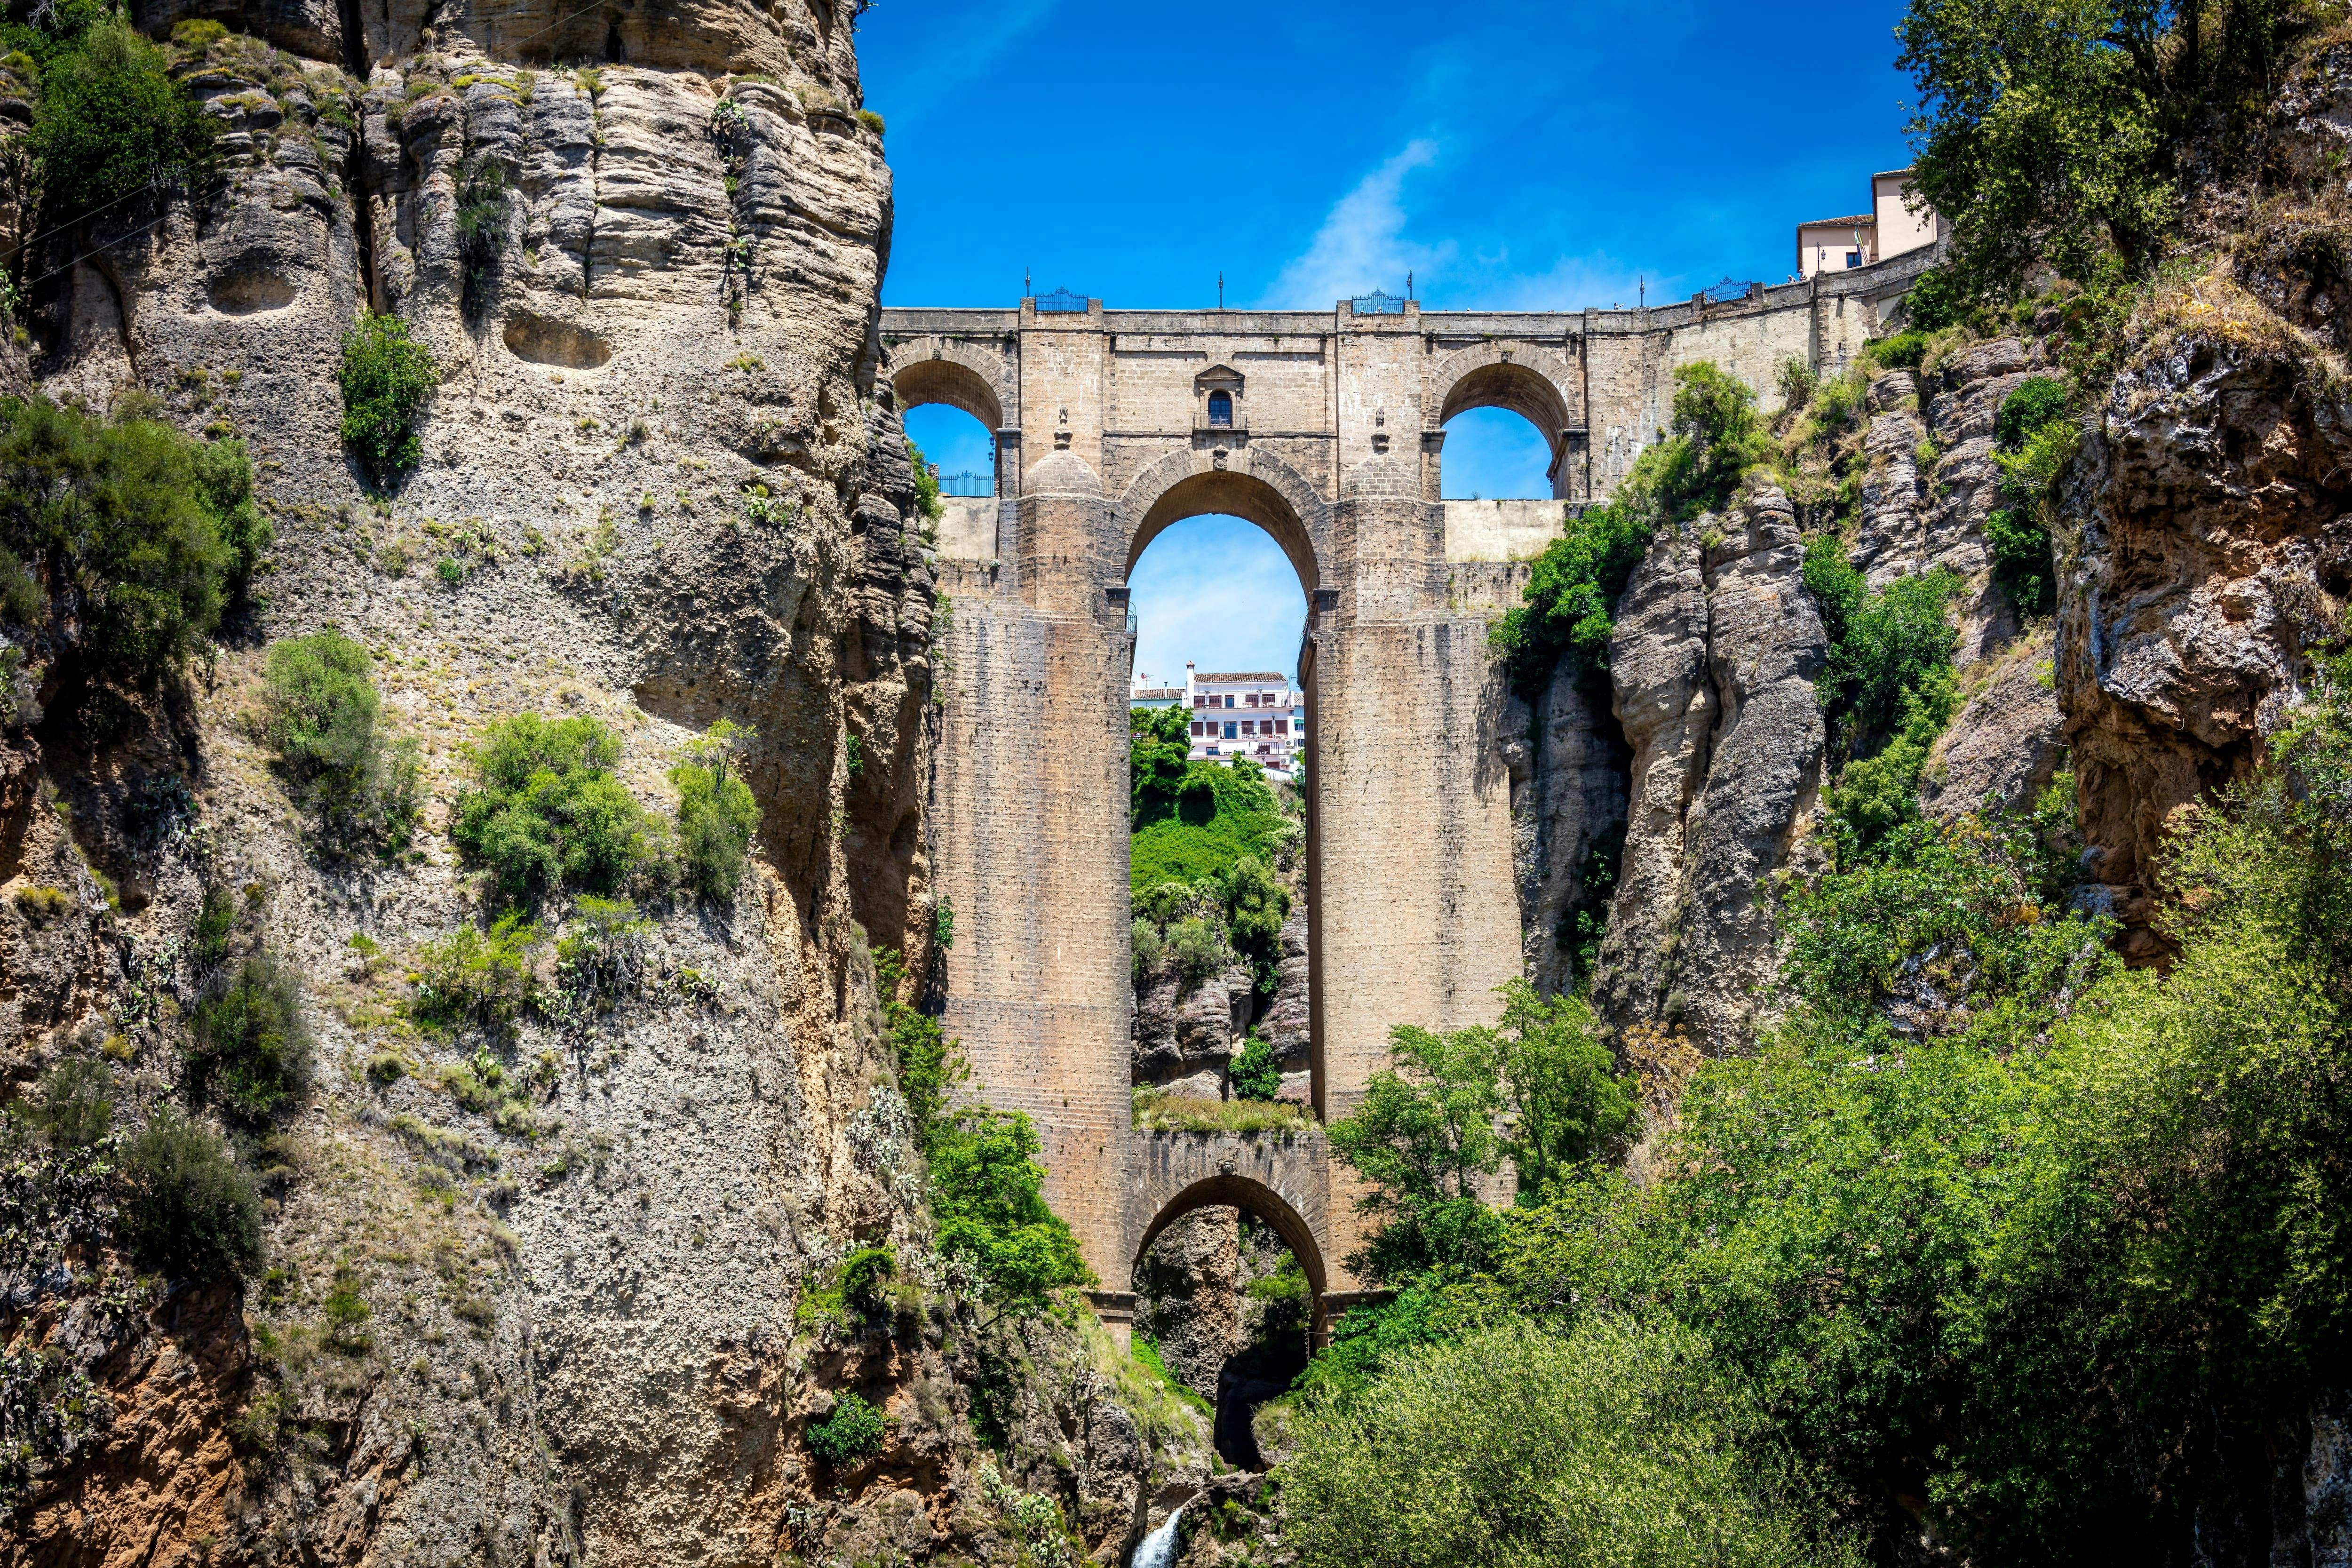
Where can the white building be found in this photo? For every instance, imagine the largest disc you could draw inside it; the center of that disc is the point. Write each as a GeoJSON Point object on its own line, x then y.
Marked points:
{"type": "Point", "coordinates": [1889, 228]}
{"type": "Point", "coordinates": [1256, 714]}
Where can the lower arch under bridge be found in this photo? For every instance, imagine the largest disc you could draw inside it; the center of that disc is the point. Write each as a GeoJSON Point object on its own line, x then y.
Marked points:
{"type": "Point", "coordinates": [1326, 430]}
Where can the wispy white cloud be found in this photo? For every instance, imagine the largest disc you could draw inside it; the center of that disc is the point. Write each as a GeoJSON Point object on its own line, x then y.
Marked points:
{"type": "Point", "coordinates": [959, 54]}
{"type": "Point", "coordinates": [1362, 244]}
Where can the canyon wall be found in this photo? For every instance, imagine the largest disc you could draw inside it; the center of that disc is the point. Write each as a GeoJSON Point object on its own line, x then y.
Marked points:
{"type": "Point", "coordinates": [577, 1335]}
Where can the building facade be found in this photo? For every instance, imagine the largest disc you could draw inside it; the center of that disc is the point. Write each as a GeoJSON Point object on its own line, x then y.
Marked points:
{"type": "Point", "coordinates": [1255, 714]}
{"type": "Point", "coordinates": [1889, 228]}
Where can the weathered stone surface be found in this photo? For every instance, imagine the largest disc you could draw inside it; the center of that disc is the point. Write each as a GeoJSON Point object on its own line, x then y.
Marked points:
{"type": "Point", "coordinates": [1188, 1297]}
{"type": "Point", "coordinates": [2214, 551]}
{"type": "Point", "coordinates": [2007, 742]}
{"type": "Point", "coordinates": [1568, 769]}
{"type": "Point", "coordinates": [1712, 663]}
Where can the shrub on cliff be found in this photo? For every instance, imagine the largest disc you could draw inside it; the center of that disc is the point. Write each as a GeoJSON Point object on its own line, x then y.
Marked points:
{"type": "Point", "coordinates": [1216, 816]}
{"type": "Point", "coordinates": [189, 1208]}
{"type": "Point", "coordinates": [2035, 440]}
{"type": "Point", "coordinates": [386, 376]}
{"type": "Point", "coordinates": [322, 708]}
{"type": "Point", "coordinates": [249, 1051]}
{"type": "Point", "coordinates": [1620, 1442]}
{"type": "Point", "coordinates": [716, 811]}
{"type": "Point", "coordinates": [477, 978]}
{"type": "Point", "coordinates": [1572, 589]}
{"type": "Point", "coordinates": [546, 811]}
{"type": "Point", "coordinates": [1255, 1073]}
{"type": "Point", "coordinates": [120, 540]}
{"type": "Point", "coordinates": [110, 122]}
{"type": "Point", "coordinates": [854, 1430]}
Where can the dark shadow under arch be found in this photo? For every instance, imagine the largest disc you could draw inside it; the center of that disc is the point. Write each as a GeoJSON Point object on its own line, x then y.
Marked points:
{"type": "Point", "coordinates": [1232, 494]}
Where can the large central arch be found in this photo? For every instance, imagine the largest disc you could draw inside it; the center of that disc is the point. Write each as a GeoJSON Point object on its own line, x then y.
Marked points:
{"type": "Point", "coordinates": [1251, 485]}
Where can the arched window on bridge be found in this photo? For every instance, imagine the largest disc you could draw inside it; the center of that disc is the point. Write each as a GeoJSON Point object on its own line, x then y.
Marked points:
{"type": "Point", "coordinates": [1221, 408]}
{"type": "Point", "coordinates": [1494, 454]}
{"type": "Point", "coordinates": [957, 445]}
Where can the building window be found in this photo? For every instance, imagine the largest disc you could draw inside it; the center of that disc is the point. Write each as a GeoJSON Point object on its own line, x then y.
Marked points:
{"type": "Point", "coordinates": [1265, 751]}
{"type": "Point", "coordinates": [1200, 702]}
{"type": "Point", "coordinates": [1198, 727]}
{"type": "Point", "coordinates": [1281, 726]}
{"type": "Point", "coordinates": [1229, 731]}
{"type": "Point", "coordinates": [1213, 751]}
{"type": "Point", "coordinates": [1853, 259]}
{"type": "Point", "coordinates": [1221, 408]}
{"type": "Point", "coordinates": [1249, 727]}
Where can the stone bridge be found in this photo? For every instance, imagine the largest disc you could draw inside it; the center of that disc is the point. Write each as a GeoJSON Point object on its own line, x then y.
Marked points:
{"type": "Point", "coordinates": [1326, 429]}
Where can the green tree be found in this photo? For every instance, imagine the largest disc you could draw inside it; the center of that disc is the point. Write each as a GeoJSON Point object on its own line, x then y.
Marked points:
{"type": "Point", "coordinates": [1568, 1106]}
{"type": "Point", "coordinates": [1255, 907]}
{"type": "Point", "coordinates": [716, 811]}
{"type": "Point", "coordinates": [545, 810]}
{"type": "Point", "coordinates": [386, 376]}
{"type": "Point", "coordinates": [1158, 745]}
{"type": "Point", "coordinates": [140, 536]}
{"type": "Point", "coordinates": [110, 122]}
{"type": "Point", "coordinates": [988, 1198]}
{"type": "Point", "coordinates": [2054, 131]}
{"type": "Point", "coordinates": [1620, 1443]}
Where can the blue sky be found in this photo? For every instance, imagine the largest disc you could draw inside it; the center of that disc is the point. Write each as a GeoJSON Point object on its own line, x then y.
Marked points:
{"type": "Point", "coordinates": [1507, 154]}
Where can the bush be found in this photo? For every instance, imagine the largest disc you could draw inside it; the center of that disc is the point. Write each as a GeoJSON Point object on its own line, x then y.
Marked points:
{"type": "Point", "coordinates": [1215, 816]}
{"type": "Point", "coordinates": [481, 978]}
{"type": "Point", "coordinates": [1904, 350]}
{"type": "Point", "coordinates": [1933, 303]}
{"type": "Point", "coordinates": [716, 811]}
{"type": "Point", "coordinates": [1795, 382]}
{"type": "Point", "coordinates": [927, 488]}
{"type": "Point", "coordinates": [1515, 1447]}
{"type": "Point", "coordinates": [322, 705]}
{"type": "Point", "coordinates": [547, 812]}
{"type": "Point", "coordinates": [988, 1198]}
{"type": "Point", "coordinates": [1256, 908]}
{"type": "Point", "coordinates": [145, 536]}
{"type": "Point", "coordinates": [2031, 404]}
{"type": "Point", "coordinates": [387, 376]}
{"type": "Point", "coordinates": [1883, 647]}
{"type": "Point", "coordinates": [74, 1106]}
{"type": "Point", "coordinates": [481, 190]}
{"type": "Point", "coordinates": [189, 1209]}
{"type": "Point", "coordinates": [1147, 947]}
{"type": "Point", "coordinates": [854, 1430]}
{"type": "Point", "coordinates": [930, 1065]}
{"type": "Point", "coordinates": [1255, 1073]}
{"type": "Point", "coordinates": [250, 1053]}
{"type": "Point", "coordinates": [1159, 741]}
{"type": "Point", "coordinates": [111, 123]}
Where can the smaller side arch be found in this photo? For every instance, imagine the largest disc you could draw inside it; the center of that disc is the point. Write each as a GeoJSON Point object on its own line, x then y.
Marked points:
{"type": "Point", "coordinates": [1229, 1190]}
{"type": "Point", "coordinates": [1527, 379]}
{"type": "Point", "coordinates": [939, 370]}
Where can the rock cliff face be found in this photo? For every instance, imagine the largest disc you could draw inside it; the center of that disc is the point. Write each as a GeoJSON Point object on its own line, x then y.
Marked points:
{"type": "Point", "coordinates": [1717, 643]}
{"type": "Point", "coordinates": [2214, 551]}
{"type": "Point", "coordinates": [579, 1338]}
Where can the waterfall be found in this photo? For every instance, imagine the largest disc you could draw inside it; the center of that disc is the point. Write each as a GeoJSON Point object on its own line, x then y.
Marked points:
{"type": "Point", "coordinates": [1158, 1549]}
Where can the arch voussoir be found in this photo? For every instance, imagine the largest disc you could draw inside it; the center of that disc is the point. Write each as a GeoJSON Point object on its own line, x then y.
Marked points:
{"type": "Point", "coordinates": [1241, 481]}
{"type": "Point", "coordinates": [1528, 379]}
{"type": "Point", "coordinates": [941, 369]}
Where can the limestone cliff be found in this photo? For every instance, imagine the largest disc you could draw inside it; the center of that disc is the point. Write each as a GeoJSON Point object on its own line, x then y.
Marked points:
{"type": "Point", "coordinates": [576, 1333]}
{"type": "Point", "coordinates": [1713, 662]}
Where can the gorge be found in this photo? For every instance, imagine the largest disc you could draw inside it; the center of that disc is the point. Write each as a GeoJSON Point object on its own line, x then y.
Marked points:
{"type": "Point", "coordinates": [557, 1010]}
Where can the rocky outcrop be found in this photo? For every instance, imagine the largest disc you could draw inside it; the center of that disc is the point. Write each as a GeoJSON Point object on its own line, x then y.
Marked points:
{"type": "Point", "coordinates": [1568, 767]}
{"type": "Point", "coordinates": [1188, 1289]}
{"type": "Point", "coordinates": [1716, 646]}
{"type": "Point", "coordinates": [2007, 742]}
{"type": "Point", "coordinates": [2214, 552]}
{"type": "Point", "coordinates": [1187, 1030]}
